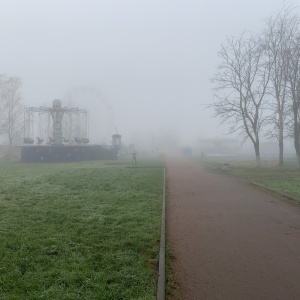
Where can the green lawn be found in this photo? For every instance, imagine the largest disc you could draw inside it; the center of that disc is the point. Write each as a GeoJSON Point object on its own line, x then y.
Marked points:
{"type": "Point", "coordinates": [288, 186]}
{"type": "Point", "coordinates": [284, 179]}
{"type": "Point", "coordinates": [85, 230]}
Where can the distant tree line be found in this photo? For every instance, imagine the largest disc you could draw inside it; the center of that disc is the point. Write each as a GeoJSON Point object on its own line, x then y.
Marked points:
{"type": "Point", "coordinates": [11, 108]}
{"type": "Point", "coordinates": [257, 83]}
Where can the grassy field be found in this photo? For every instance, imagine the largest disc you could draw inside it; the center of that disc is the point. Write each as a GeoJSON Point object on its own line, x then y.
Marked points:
{"type": "Point", "coordinates": [288, 186]}
{"type": "Point", "coordinates": [85, 230]}
{"type": "Point", "coordinates": [284, 179]}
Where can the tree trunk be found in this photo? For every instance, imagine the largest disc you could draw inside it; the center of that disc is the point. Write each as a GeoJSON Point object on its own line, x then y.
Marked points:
{"type": "Point", "coordinates": [297, 148]}
{"type": "Point", "coordinates": [10, 144]}
{"type": "Point", "coordinates": [280, 153]}
{"type": "Point", "coordinates": [280, 139]}
{"type": "Point", "coordinates": [298, 159]}
{"type": "Point", "coordinates": [257, 155]}
{"type": "Point", "coordinates": [296, 133]}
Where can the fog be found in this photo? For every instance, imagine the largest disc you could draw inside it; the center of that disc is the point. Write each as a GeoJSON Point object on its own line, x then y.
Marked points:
{"type": "Point", "coordinates": [139, 67]}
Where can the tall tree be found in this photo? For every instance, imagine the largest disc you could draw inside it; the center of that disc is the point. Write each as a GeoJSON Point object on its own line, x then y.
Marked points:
{"type": "Point", "coordinates": [11, 108]}
{"type": "Point", "coordinates": [293, 76]}
{"type": "Point", "coordinates": [240, 88]}
{"type": "Point", "coordinates": [278, 36]}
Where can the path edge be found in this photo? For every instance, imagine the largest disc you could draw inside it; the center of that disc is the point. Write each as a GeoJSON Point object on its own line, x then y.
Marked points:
{"type": "Point", "coordinates": [161, 283]}
{"type": "Point", "coordinates": [290, 197]}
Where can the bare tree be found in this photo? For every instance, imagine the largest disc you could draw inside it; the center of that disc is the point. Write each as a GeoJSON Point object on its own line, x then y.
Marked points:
{"type": "Point", "coordinates": [293, 76]}
{"type": "Point", "coordinates": [11, 116]}
{"type": "Point", "coordinates": [278, 35]}
{"type": "Point", "coordinates": [240, 88]}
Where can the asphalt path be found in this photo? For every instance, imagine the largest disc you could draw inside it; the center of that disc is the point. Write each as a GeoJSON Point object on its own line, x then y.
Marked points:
{"type": "Point", "coordinates": [229, 239]}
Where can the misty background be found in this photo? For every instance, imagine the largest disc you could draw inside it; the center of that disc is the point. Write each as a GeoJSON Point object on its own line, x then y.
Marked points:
{"type": "Point", "coordinates": [142, 68]}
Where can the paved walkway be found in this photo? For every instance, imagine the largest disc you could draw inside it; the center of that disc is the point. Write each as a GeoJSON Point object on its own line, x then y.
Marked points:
{"type": "Point", "coordinates": [230, 240]}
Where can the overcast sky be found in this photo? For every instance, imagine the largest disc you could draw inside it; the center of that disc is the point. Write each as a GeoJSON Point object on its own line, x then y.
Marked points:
{"type": "Point", "coordinates": [142, 66]}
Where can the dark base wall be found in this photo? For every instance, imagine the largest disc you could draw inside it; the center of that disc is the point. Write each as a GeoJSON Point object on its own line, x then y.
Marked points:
{"type": "Point", "coordinates": [65, 153]}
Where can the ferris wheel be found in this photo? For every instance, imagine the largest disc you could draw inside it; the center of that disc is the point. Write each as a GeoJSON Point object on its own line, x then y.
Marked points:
{"type": "Point", "coordinates": [101, 118]}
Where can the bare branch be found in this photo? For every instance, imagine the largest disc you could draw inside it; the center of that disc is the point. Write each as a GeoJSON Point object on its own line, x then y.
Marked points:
{"type": "Point", "coordinates": [11, 109]}
{"type": "Point", "coordinates": [240, 87]}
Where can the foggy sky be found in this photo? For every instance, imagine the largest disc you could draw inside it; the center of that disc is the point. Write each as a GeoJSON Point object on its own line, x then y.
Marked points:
{"type": "Point", "coordinates": [139, 65]}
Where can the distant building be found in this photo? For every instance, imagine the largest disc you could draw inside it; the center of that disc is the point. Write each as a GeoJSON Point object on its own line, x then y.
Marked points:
{"type": "Point", "coordinates": [219, 146]}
